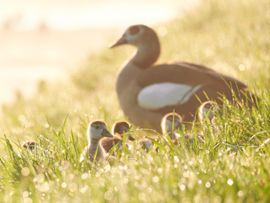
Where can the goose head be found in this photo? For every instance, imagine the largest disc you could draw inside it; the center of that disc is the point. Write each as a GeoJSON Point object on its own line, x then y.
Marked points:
{"type": "Point", "coordinates": [170, 124]}
{"type": "Point", "coordinates": [147, 42]}
{"type": "Point", "coordinates": [208, 110]}
{"type": "Point", "coordinates": [122, 128]}
{"type": "Point", "coordinates": [97, 130]}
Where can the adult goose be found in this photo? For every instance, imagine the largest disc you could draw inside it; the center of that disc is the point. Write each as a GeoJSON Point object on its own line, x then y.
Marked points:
{"type": "Point", "coordinates": [147, 92]}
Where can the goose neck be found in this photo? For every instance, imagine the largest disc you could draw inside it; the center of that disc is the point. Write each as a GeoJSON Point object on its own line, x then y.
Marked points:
{"type": "Point", "coordinates": [147, 54]}
{"type": "Point", "coordinates": [94, 143]}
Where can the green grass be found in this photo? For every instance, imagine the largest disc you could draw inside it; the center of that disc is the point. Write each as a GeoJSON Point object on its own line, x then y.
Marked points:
{"type": "Point", "coordinates": [231, 166]}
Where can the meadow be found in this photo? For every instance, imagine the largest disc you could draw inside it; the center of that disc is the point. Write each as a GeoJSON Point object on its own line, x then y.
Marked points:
{"type": "Point", "coordinates": [232, 165]}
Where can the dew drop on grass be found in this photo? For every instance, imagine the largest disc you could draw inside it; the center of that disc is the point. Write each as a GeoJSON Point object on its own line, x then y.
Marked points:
{"type": "Point", "coordinates": [176, 159]}
{"type": "Point", "coordinates": [25, 171]}
{"type": "Point", "coordinates": [107, 168]}
{"type": "Point", "coordinates": [190, 163]}
{"type": "Point", "coordinates": [84, 176]}
{"type": "Point", "coordinates": [207, 184]}
{"type": "Point", "coordinates": [182, 187]}
{"type": "Point", "coordinates": [108, 195]}
{"type": "Point", "coordinates": [186, 174]}
{"type": "Point", "coordinates": [83, 189]}
{"type": "Point", "coordinates": [142, 197]}
{"type": "Point", "coordinates": [46, 125]}
{"type": "Point", "coordinates": [150, 158]}
{"type": "Point", "coordinates": [230, 182]}
{"type": "Point", "coordinates": [43, 187]}
{"type": "Point", "coordinates": [155, 179]}
{"type": "Point", "coordinates": [27, 200]}
{"type": "Point", "coordinates": [39, 178]}
{"type": "Point", "coordinates": [160, 170]}
{"type": "Point", "coordinates": [64, 185]}
{"type": "Point", "coordinates": [240, 193]}
{"type": "Point", "coordinates": [25, 194]}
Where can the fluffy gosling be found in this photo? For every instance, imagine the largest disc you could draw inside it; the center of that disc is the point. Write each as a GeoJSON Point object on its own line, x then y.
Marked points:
{"type": "Point", "coordinates": [208, 112]}
{"type": "Point", "coordinates": [119, 130]}
{"type": "Point", "coordinates": [171, 124]}
{"type": "Point", "coordinates": [95, 132]}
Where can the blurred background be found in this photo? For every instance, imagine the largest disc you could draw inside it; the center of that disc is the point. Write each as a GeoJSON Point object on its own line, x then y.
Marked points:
{"type": "Point", "coordinates": [41, 40]}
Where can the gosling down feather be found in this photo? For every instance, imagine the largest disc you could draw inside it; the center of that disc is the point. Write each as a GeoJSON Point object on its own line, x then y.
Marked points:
{"type": "Point", "coordinates": [119, 130]}
{"type": "Point", "coordinates": [95, 132]}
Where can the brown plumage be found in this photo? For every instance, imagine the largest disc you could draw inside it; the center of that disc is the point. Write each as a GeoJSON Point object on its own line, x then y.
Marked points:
{"type": "Point", "coordinates": [146, 92]}
{"type": "Point", "coordinates": [119, 129]}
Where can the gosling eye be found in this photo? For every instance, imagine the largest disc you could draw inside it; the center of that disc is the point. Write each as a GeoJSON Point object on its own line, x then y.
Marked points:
{"type": "Point", "coordinates": [97, 127]}
{"type": "Point", "coordinates": [134, 30]}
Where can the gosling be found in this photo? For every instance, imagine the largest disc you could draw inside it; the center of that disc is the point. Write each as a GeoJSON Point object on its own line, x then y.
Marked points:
{"type": "Point", "coordinates": [172, 124]}
{"type": "Point", "coordinates": [119, 130]}
{"type": "Point", "coordinates": [95, 132]}
{"type": "Point", "coordinates": [208, 110]}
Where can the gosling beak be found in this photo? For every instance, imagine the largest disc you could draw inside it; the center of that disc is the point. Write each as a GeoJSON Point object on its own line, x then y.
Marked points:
{"type": "Point", "coordinates": [106, 133]}
{"type": "Point", "coordinates": [121, 41]}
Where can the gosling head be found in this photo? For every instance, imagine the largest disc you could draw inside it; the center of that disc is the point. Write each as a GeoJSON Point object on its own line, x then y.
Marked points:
{"type": "Point", "coordinates": [208, 110]}
{"type": "Point", "coordinates": [170, 124]}
{"type": "Point", "coordinates": [122, 128]}
{"type": "Point", "coordinates": [137, 35]}
{"type": "Point", "coordinates": [97, 130]}
{"type": "Point", "coordinates": [30, 145]}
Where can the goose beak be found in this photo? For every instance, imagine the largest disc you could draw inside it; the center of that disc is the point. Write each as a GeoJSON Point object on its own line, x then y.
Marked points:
{"type": "Point", "coordinates": [106, 133]}
{"type": "Point", "coordinates": [119, 42]}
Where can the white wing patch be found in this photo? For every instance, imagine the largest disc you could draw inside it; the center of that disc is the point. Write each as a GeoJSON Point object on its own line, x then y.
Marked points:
{"type": "Point", "coordinates": [160, 95]}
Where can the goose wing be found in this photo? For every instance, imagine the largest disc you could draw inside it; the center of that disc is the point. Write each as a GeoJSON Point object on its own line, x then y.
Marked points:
{"type": "Point", "coordinates": [185, 73]}
{"type": "Point", "coordinates": [171, 86]}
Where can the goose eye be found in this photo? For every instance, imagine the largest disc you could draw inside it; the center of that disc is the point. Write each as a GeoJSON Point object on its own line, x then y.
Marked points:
{"type": "Point", "coordinates": [134, 30]}
{"type": "Point", "coordinates": [97, 127]}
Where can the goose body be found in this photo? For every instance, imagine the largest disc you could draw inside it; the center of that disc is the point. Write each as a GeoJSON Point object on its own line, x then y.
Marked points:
{"type": "Point", "coordinates": [146, 92]}
{"type": "Point", "coordinates": [95, 132]}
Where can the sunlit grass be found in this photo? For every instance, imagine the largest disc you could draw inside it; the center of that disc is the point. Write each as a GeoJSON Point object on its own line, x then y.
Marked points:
{"type": "Point", "coordinates": [231, 165]}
